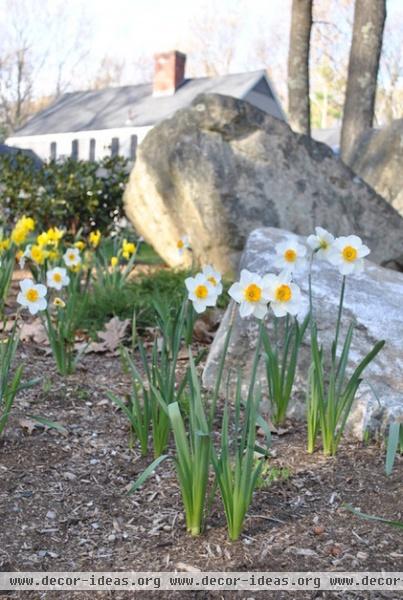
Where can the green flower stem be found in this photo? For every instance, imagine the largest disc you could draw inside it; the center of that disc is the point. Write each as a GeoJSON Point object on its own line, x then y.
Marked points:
{"type": "Point", "coordinates": [343, 287]}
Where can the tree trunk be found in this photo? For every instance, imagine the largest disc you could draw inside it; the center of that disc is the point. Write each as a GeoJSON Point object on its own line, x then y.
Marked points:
{"type": "Point", "coordinates": [366, 45]}
{"type": "Point", "coordinates": [298, 67]}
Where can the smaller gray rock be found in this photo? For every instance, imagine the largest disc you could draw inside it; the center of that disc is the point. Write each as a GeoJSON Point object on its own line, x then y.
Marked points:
{"type": "Point", "coordinates": [379, 161]}
{"type": "Point", "coordinates": [373, 299]}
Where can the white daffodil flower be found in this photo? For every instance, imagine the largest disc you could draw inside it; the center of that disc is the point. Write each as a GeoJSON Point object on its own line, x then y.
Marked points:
{"type": "Point", "coordinates": [201, 292]}
{"type": "Point", "coordinates": [284, 296]}
{"type": "Point", "coordinates": [72, 257]}
{"type": "Point", "coordinates": [182, 244]}
{"type": "Point", "coordinates": [32, 296]}
{"type": "Point", "coordinates": [23, 257]}
{"type": "Point", "coordinates": [57, 278]}
{"type": "Point", "coordinates": [290, 256]}
{"type": "Point", "coordinates": [321, 242]}
{"type": "Point", "coordinates": [214, 277]}
{"type": "Point", "coordinates": [347, 254]}
{"type": "Point", "coordinates": [251, 294]}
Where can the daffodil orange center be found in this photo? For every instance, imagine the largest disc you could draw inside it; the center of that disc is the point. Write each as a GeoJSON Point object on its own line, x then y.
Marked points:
{"type": "Point", "coordinates": [323, 244]}
{"type": "Point", "coordinates": [290, 255]}
{"type": "Point", "coordinates": [201, 292]}
{"type": "Point", "coordinates": [72, 256]}
{"type": "Point", "coordinates": [283, 293]}
{"type": "Point", "coordinates": [349, 253]}
{"type": "Point", "coordinates": [212, 280]}
{"type": "Point", "coordinates": [57, 277]}
{"type": "Point", "coordinates": [253, 293]}
{"type": "Point", "coordinates": [31, 295]}
{"type": "Point", "coordinates": [180, 244]}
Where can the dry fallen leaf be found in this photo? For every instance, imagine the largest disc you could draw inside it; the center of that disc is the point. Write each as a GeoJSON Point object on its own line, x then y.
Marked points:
{"type": "Point", "coordinates": [201, 332]}
{"type": "Point", "coordinates": [112, 336]}
{"type": "Point", "coordinates": [34, 332]}
{"type": "Point", "coordinates": [181, 566]}
{"type": "Point", "coordinates": [305, 552]}
{"type": "Point", "coordinates": [334, 550]}
{"type": "Point", "coordinates": [273, 429]}
{"type": "Point", "coordinates": [7, 326]}
{"type": "Point", "coordinates": [318, 529]}
{"type": "Point", "coordinates": [28, 424]}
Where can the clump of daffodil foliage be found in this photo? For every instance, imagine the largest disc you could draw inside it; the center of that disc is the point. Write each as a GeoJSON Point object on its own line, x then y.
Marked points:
{"type": "Point", "coordinates": [271, 298]}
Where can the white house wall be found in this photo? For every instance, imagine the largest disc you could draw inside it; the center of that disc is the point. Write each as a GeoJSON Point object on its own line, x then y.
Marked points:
{"type": "Point", "coordinates": [41, 144]}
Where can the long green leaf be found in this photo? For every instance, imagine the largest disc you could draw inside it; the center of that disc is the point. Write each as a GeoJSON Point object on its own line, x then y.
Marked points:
{"type": "Point", "coordinates": [393, 443]}
{"type": "Point", "coordinates": [147, 473]}
{"type": "Point", "coordinates": [49, 424]}
{"type": "Point", "coordinates": [398, 524]}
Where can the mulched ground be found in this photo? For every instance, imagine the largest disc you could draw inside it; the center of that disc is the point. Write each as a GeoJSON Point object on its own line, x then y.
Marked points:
{"type": "Point", "coordinates": [64, 506]}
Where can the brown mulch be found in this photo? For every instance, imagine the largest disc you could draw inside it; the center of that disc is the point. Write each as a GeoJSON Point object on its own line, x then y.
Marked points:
{"type": "Point", "coordinates": [64, 502]}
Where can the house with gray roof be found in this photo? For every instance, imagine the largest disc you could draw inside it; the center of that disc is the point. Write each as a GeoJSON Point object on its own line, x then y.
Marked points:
{"type": "Point", "coordinates": [113, 121]}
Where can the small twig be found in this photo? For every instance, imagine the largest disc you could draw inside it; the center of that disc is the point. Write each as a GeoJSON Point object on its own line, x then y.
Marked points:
{"type": "Point", "coordinates": [266, 518]}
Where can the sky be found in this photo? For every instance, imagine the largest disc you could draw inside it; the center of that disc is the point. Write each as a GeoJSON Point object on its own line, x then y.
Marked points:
{"type": "Point", "coordinates": [149, 25]}
{"type": "Point", "coordinates": [127, 29]}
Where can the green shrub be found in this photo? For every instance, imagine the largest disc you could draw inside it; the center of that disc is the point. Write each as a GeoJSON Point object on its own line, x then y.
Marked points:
{"type": "Point", "coordinates": [71, 194]}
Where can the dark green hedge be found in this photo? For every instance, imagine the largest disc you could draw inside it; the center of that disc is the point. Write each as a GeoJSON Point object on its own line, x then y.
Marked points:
{"type": "Point", "coordinates": [70, 194]}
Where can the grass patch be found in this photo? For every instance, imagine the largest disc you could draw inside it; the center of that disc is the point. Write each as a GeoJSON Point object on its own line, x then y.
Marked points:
{"type": "Point", "coordinates": [146, 254]}
{"type": "Point", "coordinates": [164, 285]}
{"type": "Point", "coordinates": [270, 474]}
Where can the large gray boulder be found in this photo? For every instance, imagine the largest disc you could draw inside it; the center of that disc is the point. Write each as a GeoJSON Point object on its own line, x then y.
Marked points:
{"type": "Point", "coordinates": [379, 161]}
{"type": "Point", "coordinates": [373, 299]}
{"type": "Point", "coordinates": [220, 168]}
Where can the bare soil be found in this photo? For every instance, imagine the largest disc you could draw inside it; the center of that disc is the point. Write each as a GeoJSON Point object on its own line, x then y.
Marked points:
{"type": "Point", "coordinates": [64, 502]}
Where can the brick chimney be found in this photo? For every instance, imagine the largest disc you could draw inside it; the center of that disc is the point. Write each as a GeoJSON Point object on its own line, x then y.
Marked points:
{"type": "Point", "coordinates": [169, 72]}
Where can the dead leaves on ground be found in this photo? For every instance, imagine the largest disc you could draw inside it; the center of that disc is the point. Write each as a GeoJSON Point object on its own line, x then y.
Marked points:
{"type": "Point", "coordinates": [111, 337]}
{"type": "Point", "coordinates": [34, 332]}
{"type": "Point", "coordinates": [31, 423]}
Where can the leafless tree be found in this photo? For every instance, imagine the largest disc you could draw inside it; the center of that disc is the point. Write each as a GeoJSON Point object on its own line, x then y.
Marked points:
{"type": "Point", "coordinates": [212, 42]}
{"type": "Point", "coordinates": [389, 100]}
{"type": "Point", "coordinates": [369, 21]}
{"type": "Point", "coordinates": [69, 34]}
{"type": "Point", "coordinates": [330, 41]}
{"type": "Point", "coordinates": [141, 69]}
{"type": "Point", "coordinates": [16, 70]}
{"type": "Point", "coordinates": [270, 52]}
{"type": "Point", "coordinates": [36, 37]}
{"type": "Point", "coordinates": [109, 72]}
{"type": "Point", "coordinates": [298, 66]}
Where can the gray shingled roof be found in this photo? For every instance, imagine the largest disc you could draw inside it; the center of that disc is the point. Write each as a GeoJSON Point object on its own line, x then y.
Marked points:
{"type": "Point", "coordinates": [131, 105]}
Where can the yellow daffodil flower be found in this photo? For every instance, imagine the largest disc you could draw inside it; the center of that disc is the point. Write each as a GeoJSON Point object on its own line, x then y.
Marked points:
{"type": "Point", "coordinates": [128, 249]}
{"type": "Point", "coordinates": [38, 254]}
{"type": "Point", "coordinates": [4, 244]}
{"type": "Point", "coordinates": [59, 303]}
{"type": "Point", "coordinates": [94, 238]}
